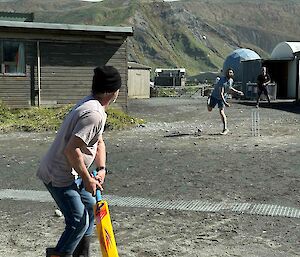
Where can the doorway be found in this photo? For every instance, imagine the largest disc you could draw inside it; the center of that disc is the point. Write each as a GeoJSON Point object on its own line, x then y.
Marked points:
{"type": "Point", "coordinates": [279, 72]}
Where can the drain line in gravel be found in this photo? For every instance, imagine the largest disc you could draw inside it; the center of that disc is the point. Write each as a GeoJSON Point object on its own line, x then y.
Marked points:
{"type": "Point", "coordinates": [188, 205]}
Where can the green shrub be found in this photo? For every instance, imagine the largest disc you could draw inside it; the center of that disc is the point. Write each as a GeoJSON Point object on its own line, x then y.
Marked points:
{"type": "Point", "coordinates": [5, 113]}
{"type": "Point", "coordinates": [49, 119]}
{"type": "Point", "coordinates": [117, 119]}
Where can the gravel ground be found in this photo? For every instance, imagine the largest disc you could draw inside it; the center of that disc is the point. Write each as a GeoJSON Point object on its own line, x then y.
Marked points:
{"type": "Point", "coordinates": [178, 157]}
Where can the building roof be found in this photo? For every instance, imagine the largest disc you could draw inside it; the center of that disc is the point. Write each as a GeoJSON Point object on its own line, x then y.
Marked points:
{"type": "Point", "coordinates": [171, 69]}
{"type": "Point", "coordinates": [234, 61]}
{"type": "Point", "coordinates": [285, 50]}
{"type": "Point", "coordinates": [135, 65]}
{"type": "Point", "coordinates": [244, 54]}
{"type": "Point", "coordinates": [64, 29]}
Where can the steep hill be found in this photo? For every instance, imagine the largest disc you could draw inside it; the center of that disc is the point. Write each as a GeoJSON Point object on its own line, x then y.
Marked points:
{"type": "Point", "coordinates": [195, 34]}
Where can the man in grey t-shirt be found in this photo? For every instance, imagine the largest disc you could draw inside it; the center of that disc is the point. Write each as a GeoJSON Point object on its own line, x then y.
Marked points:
{"type": "Point", "coordinates": [218, 96]}
{"type": "Point", "coordinates": [64, 168]}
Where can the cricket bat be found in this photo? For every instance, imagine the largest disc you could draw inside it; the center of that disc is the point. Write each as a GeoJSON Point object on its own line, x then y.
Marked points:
{"type": "Point", "coordinates": [104, 227]}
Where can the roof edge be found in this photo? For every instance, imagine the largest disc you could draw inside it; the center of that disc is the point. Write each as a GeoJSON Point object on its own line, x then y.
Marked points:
{"type": "Point", "coordinates": [69, 27]}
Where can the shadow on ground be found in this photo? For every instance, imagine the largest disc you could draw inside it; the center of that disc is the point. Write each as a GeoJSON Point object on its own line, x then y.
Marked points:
{"type": "Point", "coordinates": [282, 105]}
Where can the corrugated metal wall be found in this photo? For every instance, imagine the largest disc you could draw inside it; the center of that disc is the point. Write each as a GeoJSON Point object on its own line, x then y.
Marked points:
{"type": "Point", "coordinates": [250, 70]}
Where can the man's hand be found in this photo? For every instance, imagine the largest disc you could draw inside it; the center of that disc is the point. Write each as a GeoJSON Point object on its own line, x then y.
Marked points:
{"type": "Point", "coordinates": [227, 104]}
{"type": "Point", "coordinates": [241, 93]}
{"type": "Point", "coordinates": [91, 184]}
{"type": "Point", "coordinates": [101, 176]}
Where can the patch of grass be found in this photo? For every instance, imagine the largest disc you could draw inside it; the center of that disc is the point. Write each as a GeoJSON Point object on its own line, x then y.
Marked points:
{"type": "Point", "coordinates": [117, 119]}
{"type": "Point", "coordinates": [174, 92]}
{"type": "Point", "coordinates": [167, 92]}
{"type": "Point", "coordinates": [49, 119]}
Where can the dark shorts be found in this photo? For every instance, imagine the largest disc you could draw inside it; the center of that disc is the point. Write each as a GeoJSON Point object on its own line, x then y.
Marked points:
{"type": "Point", "coordinates": [262, 90]}
{"type": "Point", "coordinates": [214, 101]}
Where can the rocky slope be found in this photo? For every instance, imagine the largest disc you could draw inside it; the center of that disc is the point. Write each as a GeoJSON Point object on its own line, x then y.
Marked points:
{"type": "Point", "coordinates": [197, 35]}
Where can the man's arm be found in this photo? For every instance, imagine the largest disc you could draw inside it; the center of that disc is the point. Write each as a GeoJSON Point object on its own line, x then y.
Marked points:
{"type": "Point", "coordinates": [75, 157]}
{"type": "Point", "coordinates": [100, 159]}
{"type": "Point", "coordinates": [236, 91]}
{"type": "Point", "coordinates": [268, 81]}
{"type": "Point", "coordinates": [232, 89]}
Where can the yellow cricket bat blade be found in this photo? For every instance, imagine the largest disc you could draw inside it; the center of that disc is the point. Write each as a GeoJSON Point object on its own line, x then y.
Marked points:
{"type": "Point", "coordinates": [104, 228]}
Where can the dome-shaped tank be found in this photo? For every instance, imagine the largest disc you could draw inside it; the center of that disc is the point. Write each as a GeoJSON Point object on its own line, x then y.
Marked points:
{"type": "Point", "coordinates": [234, 61]}
{"type": "Point", "coordinates": [285, 50]}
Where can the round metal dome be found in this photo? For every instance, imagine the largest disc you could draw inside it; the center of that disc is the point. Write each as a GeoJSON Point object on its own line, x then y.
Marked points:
{"type": "Point", "coordinates": [234, 60]}
{"type": "Point", "coordinates": [285, 50]}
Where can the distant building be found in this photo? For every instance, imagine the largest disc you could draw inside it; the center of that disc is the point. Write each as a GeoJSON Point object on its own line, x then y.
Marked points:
{"type": "Point", "coordinates": [284, 69]}
{"type": "Point", "coordinates": [17, 16]}
{"type": "Point", "coordinates": [170, 77]}
{"type": "Point", "coordinates": [138, 80]}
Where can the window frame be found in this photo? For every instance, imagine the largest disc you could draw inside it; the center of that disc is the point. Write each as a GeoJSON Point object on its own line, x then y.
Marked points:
{"type": "Point", "coordinates": [2, 62]}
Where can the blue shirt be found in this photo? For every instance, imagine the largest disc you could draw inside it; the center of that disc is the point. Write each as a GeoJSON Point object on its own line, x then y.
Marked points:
{"type": "Point", "coordinates": [222, 83]}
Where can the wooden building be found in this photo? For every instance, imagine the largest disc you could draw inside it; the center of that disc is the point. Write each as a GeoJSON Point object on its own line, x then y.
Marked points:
{"type": "Point", "coordinates": [138, 80]}
{"type": "Point", "coordinates": [17, 16]}
{"type": "Point", "coordinates": [48, 64]}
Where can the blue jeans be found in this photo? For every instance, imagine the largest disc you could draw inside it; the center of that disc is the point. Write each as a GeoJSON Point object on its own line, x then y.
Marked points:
{"type": "Point", "coordinates": [76, 204]}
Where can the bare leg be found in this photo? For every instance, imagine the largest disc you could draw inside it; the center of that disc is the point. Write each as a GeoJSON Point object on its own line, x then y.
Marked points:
{"type": "Point", "coordinates": [224, 119]}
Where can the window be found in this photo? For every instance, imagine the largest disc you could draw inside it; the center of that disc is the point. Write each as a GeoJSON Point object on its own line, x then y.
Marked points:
{"type": "Point", "coordinates": [13, 57]}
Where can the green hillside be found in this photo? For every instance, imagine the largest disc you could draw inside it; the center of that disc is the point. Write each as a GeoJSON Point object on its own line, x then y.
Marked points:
{"type": "Point", "coordinates": [194, 34]}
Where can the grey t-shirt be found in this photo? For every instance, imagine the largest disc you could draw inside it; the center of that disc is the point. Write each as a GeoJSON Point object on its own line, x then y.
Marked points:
{"type": "Point", "coordinates": [223, 82]}
{"type": "Point", "coordinates": [86, 121]}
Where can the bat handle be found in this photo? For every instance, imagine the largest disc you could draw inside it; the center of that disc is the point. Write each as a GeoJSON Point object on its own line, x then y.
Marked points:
{"type": "Point", "coordinates": [98, 195]}
{"type": "Point", "coordinates": [98, 191]}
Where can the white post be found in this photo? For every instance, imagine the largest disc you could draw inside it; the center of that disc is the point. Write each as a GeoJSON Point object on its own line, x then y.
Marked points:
{"type": "Point", "coordinates": [255, 126]}
{"type": "Point", "coordinates": [39, 72]}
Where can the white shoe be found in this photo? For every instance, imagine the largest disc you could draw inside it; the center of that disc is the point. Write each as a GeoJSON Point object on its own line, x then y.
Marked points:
{"type": "Point", "coordinates": [225, 132]}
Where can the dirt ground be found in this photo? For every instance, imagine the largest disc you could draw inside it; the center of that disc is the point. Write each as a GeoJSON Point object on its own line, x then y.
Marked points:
{"type": "Point", "coordinates": [178, 156]}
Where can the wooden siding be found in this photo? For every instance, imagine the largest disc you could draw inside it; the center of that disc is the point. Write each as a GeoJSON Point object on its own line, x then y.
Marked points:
{"type": "Point", "coordinates": [66, 73]}
{"type": "Point", "coordinates": [67, 70]}
{"type": "Point", "coordinates": [138, 83]}
{"type": "Point", "coordinates": [16, 91]}
{"type": "Point", "coordinates": [69, 53]}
